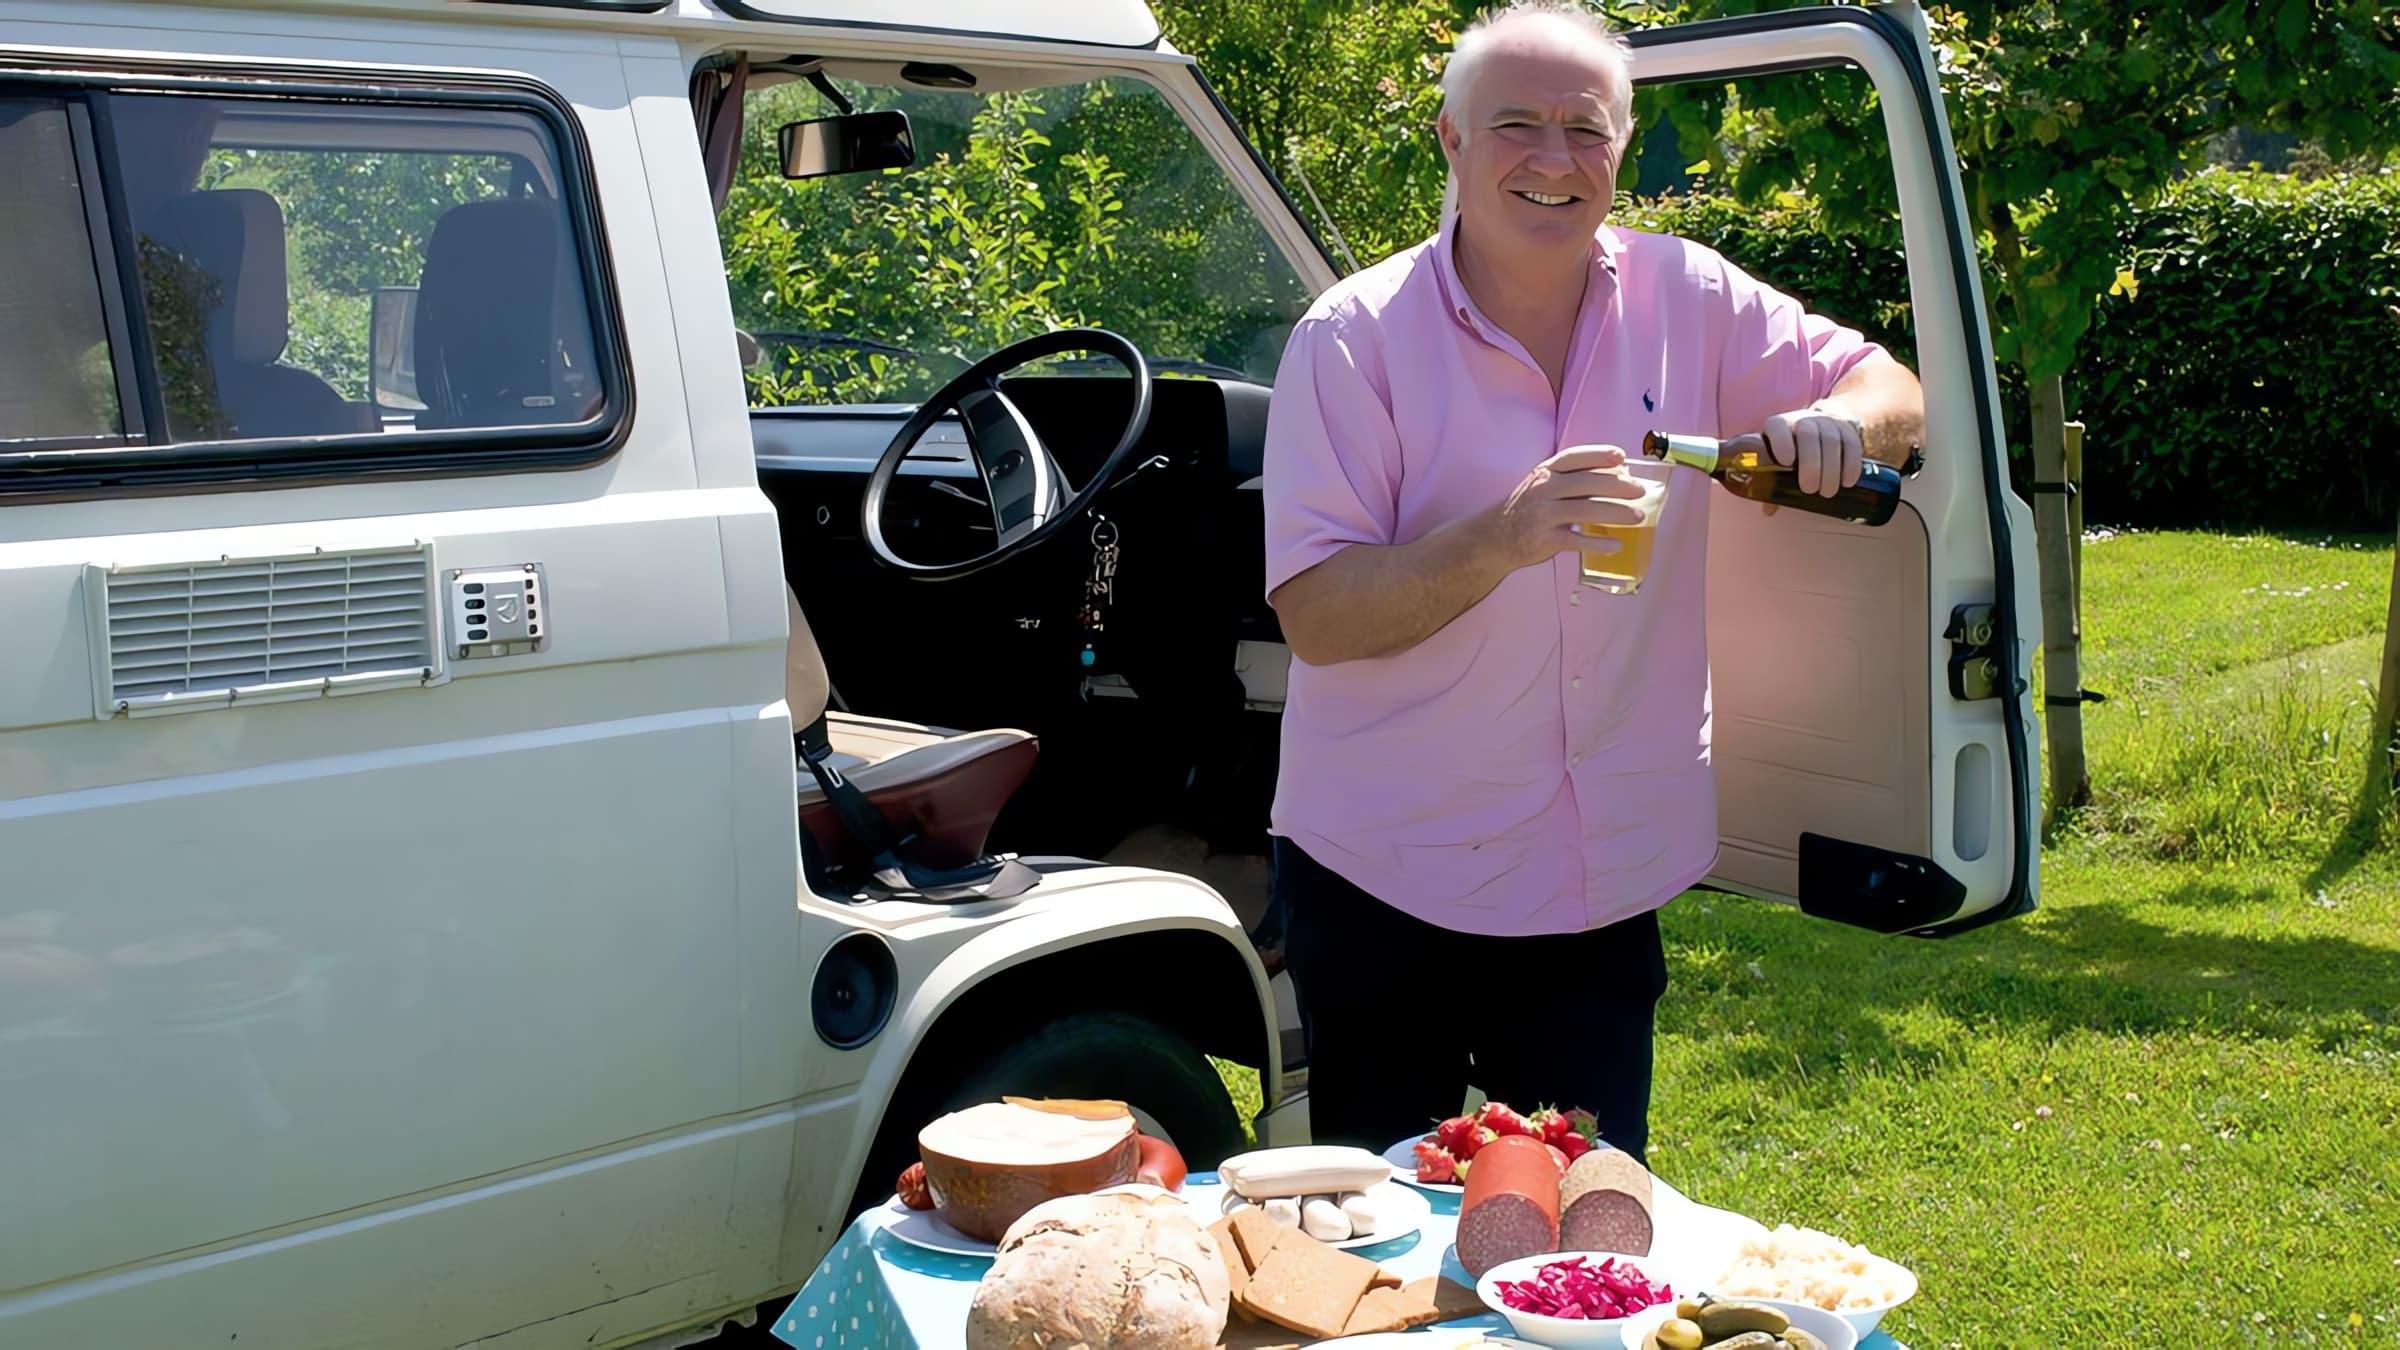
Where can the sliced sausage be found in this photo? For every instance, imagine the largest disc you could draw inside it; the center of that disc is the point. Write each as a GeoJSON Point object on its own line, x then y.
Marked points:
{"type": "Point", "coordinates": [1510, 1208]}
{"type": "Point", "coordinates": [1604, 1205]}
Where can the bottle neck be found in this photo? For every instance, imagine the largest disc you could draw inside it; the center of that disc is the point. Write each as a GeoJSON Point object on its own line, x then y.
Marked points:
{"type": "Point", "coordinates": [1699, 452]}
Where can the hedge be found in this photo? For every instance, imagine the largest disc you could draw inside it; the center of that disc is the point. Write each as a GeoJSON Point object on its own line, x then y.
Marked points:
{"type": "Point", "coordinates": [2252, 379]}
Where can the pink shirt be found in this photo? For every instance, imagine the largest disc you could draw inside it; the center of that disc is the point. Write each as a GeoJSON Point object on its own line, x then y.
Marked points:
{"type": "Point", "coordinates": [1541, 764]}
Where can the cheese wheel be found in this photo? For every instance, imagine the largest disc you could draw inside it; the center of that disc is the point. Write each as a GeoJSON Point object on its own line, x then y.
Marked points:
{"type": "Point", "coordinates": [989, 1164]}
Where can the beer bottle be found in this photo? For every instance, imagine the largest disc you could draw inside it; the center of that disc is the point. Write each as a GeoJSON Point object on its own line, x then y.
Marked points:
{"type": "Point", "coordinates": [1745, 467]}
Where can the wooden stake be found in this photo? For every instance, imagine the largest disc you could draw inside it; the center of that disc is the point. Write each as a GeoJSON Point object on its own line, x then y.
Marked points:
{"type": "Point", "coordinates": [2383, 753]}
{"type": "Point", "coordinates": [2383, 756]}
{"type": "Point", "coordinates": [2074, 462]}
{"type": "Point", "coordinates": [2054, 537]}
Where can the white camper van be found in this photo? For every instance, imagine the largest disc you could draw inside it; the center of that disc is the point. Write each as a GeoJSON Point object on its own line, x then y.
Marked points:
{"type": "Point", "coordinates": [538, 746]}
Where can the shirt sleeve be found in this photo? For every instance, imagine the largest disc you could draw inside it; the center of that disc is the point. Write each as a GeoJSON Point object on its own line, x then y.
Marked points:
{"type": "Point", "coordinates": [1332, 471]}
{"type": "Point", "coordinates": [1776, 355]}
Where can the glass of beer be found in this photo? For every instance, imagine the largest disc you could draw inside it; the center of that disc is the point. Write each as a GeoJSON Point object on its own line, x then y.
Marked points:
{"type": "Point", "coordinates": [1620, 571]}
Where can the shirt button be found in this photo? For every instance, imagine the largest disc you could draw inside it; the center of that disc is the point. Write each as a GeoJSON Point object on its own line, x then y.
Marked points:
{"type": "Point", "coordinates": [1573, 760]}
{"type": "Point", "coordinates": [1575, 683]}
{"type": "Point", "coordinates": [1574, 597]}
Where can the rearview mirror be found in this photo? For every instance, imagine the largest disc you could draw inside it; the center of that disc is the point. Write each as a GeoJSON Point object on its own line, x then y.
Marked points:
{"type": "Point", "coordinates": [392, 349]}
{"type": "Point", "coordinates": [850, 143]}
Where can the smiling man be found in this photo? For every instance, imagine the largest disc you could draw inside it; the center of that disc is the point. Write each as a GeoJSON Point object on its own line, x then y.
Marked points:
{"type": "Point", "coordinates": [1493, 777]}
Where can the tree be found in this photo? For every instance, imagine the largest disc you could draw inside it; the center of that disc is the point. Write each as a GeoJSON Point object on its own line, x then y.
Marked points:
{"type": "Point", "coordinates": [1340, 96]}
{"type": "Point", "coordinates": [1028, 210]}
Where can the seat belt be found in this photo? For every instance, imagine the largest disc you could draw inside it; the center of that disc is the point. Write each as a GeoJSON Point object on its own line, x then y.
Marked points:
{"type": "Point", "coordinates": [861, 819]}
{"type": "Point", "coordinates": [891, 874]}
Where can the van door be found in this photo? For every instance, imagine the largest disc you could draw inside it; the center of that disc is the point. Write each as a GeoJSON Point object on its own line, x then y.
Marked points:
{"type": "Point", "coordinates": [1913, 809]}
{"type": "Point", "coordinates": [395, 784]}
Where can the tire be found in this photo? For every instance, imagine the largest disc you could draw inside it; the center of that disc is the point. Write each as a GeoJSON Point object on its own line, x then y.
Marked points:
{"type": "Point", "coordinates": [1113, 1055]}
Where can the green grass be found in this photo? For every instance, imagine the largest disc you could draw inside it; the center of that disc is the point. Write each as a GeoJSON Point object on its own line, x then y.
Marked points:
{"type": "Point", "coordinates": [2239, 671]}
{"type": "Point", "coordinates": [2167, 1100]}
{"type": "Point", "coordinates": [1241, 1084]}
{"type": "Point", "coordinates": [2160, 610]}
{"type": "Point", "coordinates": [2164, 1109]}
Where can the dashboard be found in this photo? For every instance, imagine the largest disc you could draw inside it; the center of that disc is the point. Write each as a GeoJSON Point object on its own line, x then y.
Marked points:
{"type": "Point", "coordinates": [1184, 673]}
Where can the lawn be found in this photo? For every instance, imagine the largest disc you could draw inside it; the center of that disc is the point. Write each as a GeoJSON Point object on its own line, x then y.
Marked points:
{"type": "Point", "coordinates": [2165, 1109]}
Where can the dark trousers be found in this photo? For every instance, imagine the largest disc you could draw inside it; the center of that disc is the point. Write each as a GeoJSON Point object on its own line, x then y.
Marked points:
{"type": "Point", "coordinates": [1401, 1015]}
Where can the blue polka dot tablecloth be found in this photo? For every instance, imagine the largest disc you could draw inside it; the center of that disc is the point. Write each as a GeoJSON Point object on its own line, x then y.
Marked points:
{"type": "Point", "coordinates": [875, 1291]}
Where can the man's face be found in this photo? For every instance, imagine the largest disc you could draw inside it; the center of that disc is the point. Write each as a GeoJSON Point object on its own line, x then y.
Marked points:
{"type": "Point", "coordinates": [1534, 141]}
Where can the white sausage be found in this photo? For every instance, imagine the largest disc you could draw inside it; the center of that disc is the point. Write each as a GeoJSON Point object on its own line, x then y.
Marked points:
{"type": "Point", "coordinates": [1323, 1220]}
{"type": "Point", "coordinates": [1283, 1212]}
{"type": "Point", "coordinates": [1361, 1213]}
{"type": "Point", "coordinates": [1306, 1169]}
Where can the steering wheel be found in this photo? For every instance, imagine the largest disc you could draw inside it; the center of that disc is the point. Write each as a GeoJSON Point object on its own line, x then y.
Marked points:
{"type": "Point", "coordinates": [1028, 495]}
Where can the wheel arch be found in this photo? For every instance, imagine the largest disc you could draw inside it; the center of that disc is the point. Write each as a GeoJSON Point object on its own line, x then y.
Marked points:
{"type": "Point", "coordinates": [1178, 970]}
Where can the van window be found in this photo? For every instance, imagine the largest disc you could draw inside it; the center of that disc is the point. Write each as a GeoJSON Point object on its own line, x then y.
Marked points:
{"type": "Point", "coordinates": [410, 277]}
{"type": "Point", "coordinates": [290, 251]}
{"type": "Point", "coordinates": [58, 381]}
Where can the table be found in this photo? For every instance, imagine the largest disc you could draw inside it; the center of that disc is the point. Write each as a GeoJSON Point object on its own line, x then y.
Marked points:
{"type": "Point", "coordinates": [876, 1292]}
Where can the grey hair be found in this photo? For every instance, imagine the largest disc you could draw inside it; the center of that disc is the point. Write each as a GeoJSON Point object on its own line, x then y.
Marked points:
{"type": "Point", "coordinates": [1466, 52]}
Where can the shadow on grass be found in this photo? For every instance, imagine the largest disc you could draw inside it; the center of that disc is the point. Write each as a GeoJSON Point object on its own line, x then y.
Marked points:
{"type": "Point", "coordinates": [1803, 1000]}
{"type": "Point", "coordinates": [2371, 824]}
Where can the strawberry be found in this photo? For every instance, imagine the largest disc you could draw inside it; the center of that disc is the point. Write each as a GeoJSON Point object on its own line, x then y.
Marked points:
{"type": "Point", "coordinates": [1558, 1155]}
{"type": "Point", "coordinates": [1500, 1120]}
{"type": "Point", "coordinates": [1474, 1140]}
{"type": "Point", "coordinates": [1553, 1125]}
{"type": "Point", "coordinates": [1586, 1124]}
{"type": "Point", "coordinates": [1574, 1146]}
{"type": "Point", "coordinates": [1434, 1163]}
{"type": "Point", "coordinates": [1455, 1133]}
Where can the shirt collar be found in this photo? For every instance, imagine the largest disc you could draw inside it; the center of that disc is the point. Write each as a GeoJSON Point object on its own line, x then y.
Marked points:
{"type": "Point", "coordinates": [1606, 247]}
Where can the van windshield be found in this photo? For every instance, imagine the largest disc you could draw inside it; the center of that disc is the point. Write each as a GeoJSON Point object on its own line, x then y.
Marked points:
{"type": "Point", "coordinates": [1082, 204]}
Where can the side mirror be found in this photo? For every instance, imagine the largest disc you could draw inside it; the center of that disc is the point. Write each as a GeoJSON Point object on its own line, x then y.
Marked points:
{"type": "Point", "coordinates": [392, 349]}
{"type": "Point", "coordinates": [850, 143]}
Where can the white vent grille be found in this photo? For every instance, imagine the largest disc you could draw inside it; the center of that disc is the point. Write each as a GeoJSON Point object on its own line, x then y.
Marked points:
{"type": "Point", "coordinates": [254, 629]}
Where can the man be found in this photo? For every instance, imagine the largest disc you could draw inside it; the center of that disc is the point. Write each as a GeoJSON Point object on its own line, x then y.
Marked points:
{"type": "Point", "coordinates": [1492, 777]}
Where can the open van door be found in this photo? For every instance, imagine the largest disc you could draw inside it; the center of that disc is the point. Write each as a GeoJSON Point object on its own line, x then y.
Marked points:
{"type": "Point", "coordinates": [1913, 809]}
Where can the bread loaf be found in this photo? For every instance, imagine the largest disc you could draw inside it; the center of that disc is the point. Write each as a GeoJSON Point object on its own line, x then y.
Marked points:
{"type": "Point", "coordinates": [1111, 1272]}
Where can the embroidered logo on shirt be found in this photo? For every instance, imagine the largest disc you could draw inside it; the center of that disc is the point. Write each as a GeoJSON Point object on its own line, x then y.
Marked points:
{"type": "Point", "coordinates": [1647, 405]}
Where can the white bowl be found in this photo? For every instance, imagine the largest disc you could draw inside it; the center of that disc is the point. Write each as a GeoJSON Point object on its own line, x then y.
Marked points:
{"type": "Point", "coordinates": [1861, 1320]}
{"type": "Point", "coordinates": [1830, 1328]}
{"type": "Point", "coordinates": [1865, 1320]}
{"type": "Point", "coordinates": [1566, 1333]}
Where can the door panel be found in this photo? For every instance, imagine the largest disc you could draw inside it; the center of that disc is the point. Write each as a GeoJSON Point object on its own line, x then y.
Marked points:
{"type": "Point", "coordinates": [341, 1010]}
{"type": "Point", "coordinates": [1904, 766]}
{"type": "Point", "coordinates": [1815, 629]}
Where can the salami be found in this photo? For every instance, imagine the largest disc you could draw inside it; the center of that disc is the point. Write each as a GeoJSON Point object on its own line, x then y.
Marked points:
{"type": "Point", "coordinates": [1510, 1208]}
{"type": "Point", "coordinates": [1604, 1204]}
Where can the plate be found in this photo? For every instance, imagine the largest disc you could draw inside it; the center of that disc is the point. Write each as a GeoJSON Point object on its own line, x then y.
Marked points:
{"type": "Point", "coordinates": [925, 1227]}
{"type": "Point", "coordinates": [1399, 1211]}
{"type": "Point", "coordinates": [1403, 1158]}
